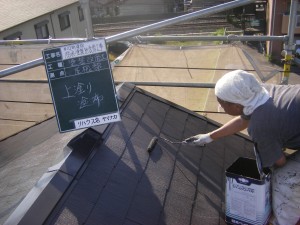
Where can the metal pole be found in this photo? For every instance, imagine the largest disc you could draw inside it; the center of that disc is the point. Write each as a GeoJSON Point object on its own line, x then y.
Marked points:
{"type": "Point", "coordinates": [152, 38]}
{"type": "Point", "coordinates": [41, 41]}
{"type": "Point", "coordinates": [290, 46]}
{"type": "Point", "coordinates": [210, 38]}
{"type": "Point", "coordinates": [85, 4]}
{"type": "Point", "coordinates": [138, 31]}
{"type": "Point", "coordinates": [179, 19]}
{"type": "Point", "coordinates": [169, 84]}
{"type": "Point", "coordinates": [22, 67]}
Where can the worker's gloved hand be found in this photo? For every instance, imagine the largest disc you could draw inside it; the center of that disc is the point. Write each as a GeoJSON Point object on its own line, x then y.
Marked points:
{"type": "Point", "coordinates": [198, 140]}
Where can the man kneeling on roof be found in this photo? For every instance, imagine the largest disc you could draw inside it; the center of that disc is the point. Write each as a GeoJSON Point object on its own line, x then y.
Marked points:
{"type": "Point", "coordinates": [272, 115]}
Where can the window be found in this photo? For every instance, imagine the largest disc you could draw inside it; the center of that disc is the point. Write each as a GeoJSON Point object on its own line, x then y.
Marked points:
{"type": "Point", "coordinates": [41, 30]}
{"type": "Point", "coordinates": [80, 13]}
{"type": "Point", "coordinates": [64, 20]}
{"type": "Point", "coordinates": [260, 7]}
{"type": "Point", "coordinates": [14, 36]}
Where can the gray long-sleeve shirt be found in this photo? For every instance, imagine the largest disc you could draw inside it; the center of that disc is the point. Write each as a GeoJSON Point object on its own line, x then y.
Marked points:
{"type": "Point", "coordinates": [276, 124]}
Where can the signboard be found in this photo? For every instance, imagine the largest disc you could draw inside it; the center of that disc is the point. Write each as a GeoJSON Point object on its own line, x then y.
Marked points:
{"type": "Point", "coordinates": [81, 85]}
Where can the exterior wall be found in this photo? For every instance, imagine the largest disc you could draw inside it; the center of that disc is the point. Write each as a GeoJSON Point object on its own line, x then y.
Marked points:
{"type": "Point", "coordinates": [77, 28]}
{"type": "Point", "coordinates": [142, 7]}
{"type": "Point", "coordinates": [276, 11]}
{"type": "Point", "coordinates": [274, 27]}
{"type": "Point", "coordinates": [285, 25]}
{"type": "Point", "coordinates": [106, 9]}
{"type": "Point", "coordinates": [28, 29]}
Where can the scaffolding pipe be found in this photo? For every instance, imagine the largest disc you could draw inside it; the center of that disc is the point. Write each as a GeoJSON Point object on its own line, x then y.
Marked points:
{"type": "Point", "coordinates": [290, 46]}
{"type": "Point", "coordinates": [210, 38]}
{"type": "Point", "coordinates": [141, 30]}
{"type": "Point", "coordinates": [152, 38]}
{"type": "Point", "coordinates": [169, 84]}
{"type": "Point", "coordinates": [179, 19]}
{"type": "Point", "coordinates": [21, 67]}
{"type": "Point", "coordinates": [41, 41]}
{"type": "Point", "coordinates": [137, 83]}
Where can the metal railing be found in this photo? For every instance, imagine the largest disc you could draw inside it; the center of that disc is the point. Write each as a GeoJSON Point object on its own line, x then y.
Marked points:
{"type": "Point", "coordinates": [288, 39]}
{"type": "Point", "coordinates": [211, 38]}
{"type": "Point", "coordinates": [129, 34]}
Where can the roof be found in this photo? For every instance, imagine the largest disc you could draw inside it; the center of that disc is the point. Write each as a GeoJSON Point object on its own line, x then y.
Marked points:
{"type": "Point", "coordinates": [111, 178]}
{"type": "Point", "coordinates": [191, 64]}
{"type": "Point", "coordinates": [25, 98]}
{"type": "Point", "coordinates": [25, 157]}
{"type": "Point", "coordinates": [13, 13]}
{"type": "Point", "coordinates": [21, 107]}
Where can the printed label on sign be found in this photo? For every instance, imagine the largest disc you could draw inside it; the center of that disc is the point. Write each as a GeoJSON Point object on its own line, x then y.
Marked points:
{"type": "Point", "coordinates": [98, 120]}
{"type": "Point", "coordinates": [82, 49]}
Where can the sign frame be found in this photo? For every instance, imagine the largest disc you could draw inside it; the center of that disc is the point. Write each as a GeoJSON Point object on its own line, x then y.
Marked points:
{"type": "Point", "coordinates": [81, 85]}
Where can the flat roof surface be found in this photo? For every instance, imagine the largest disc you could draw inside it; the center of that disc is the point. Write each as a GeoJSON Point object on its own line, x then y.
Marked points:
{"type": "Point", "coordinates": [192, 64]}
{"type": "Point", "coordinates": [25, 98]}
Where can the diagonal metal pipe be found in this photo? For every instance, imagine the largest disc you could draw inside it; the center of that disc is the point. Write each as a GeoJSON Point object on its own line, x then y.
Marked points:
{"type": "Point", "coordinates": [141, 30]}
{"type": "Point", "coordinates": [179, 19]}
{"type": "Point", "coordinates": [211, 38]}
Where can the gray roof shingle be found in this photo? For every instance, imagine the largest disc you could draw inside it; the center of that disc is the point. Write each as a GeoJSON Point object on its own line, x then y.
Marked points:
{"type": "Point", "coordinates": [118, 182]}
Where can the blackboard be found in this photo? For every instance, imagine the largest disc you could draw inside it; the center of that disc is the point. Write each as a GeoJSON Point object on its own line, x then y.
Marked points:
{"type": "Point", "coordinates": [81, 85]}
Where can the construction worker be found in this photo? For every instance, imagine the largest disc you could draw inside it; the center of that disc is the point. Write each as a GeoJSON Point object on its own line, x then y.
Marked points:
{"type": "Point", "coordinates": [272, 115]}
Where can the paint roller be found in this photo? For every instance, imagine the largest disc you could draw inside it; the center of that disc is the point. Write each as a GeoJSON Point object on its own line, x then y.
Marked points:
{"type": "Point", "coordinates": [152, 144]}
{"type": "Point", "coordinates": [154, 140]}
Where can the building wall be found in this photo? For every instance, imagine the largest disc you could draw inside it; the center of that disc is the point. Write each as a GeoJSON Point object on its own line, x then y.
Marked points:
{"type": "Point", "coordinates": [141, 7]}
{"type": "Point", "coordinates": [77, 28]}
{"type": "Point", "coordinates": [274, 13]}
{"type": "Point", "coordinates": [276, 26]}
{"type": "Point", "coordinates": [125, 8]}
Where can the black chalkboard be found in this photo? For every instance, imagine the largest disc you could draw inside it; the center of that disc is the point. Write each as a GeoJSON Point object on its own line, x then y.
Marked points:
{"type": "Point", "coordinates": [81, 85]}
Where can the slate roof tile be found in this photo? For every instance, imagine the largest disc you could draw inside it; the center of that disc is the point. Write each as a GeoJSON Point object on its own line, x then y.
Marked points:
{"type": "Point", "coordinates": [136, 107]}
{"type": "Point", "coordinates": [121, 183]}
{"type": "Point", "coordinates": [147, 204]}
{"type": "Point", "coordinates": [178, 209]}
{"type": "Point", "coordinates": [157, 176]}
{"type": "Point", "coordinates": [174, 124]}
{"type": "Point", "coordinates": [206, 220]}
{"type": "Point", "coordinates": [182, 185]}
{"type": "Point", "coordinates": [75, 210]}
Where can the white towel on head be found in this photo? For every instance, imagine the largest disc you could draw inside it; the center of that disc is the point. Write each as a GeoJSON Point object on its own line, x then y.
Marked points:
{"type": "Point", "coordinates": [242, 88]}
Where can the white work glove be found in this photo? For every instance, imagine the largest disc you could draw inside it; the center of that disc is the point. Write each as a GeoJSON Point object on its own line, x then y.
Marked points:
{"type": "Point", "coordinates": [198, 140]}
